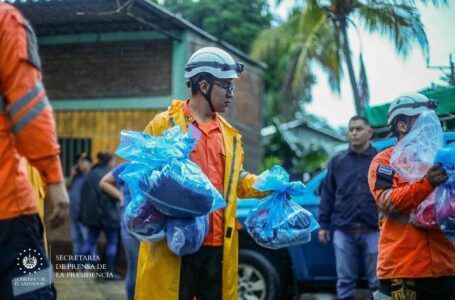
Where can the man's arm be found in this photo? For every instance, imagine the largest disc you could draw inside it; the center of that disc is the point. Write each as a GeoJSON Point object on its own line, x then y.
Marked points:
{"type": "Point", "coordinates": [30, 115]}
{"type": "Point", "coordinates": [245, 187]}
{"type": "Point", "coordinates": [108, 185]}
{"type": "Point", "coordinates": [326, 203]}
{"type": "Point", "coordinates": [392, 198]}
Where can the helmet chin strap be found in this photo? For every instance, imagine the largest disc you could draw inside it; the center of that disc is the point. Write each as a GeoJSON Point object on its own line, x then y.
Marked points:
{"type": "Point", "coordinates": [208, 96]}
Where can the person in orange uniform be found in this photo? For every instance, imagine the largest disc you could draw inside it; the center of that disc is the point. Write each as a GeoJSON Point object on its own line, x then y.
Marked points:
{"type": "Point", "coordinates": [413, 263]}
{"type": "Point", "coordinates": [27, 129]}
{"type": "Point", "coordinates": [211, 272]}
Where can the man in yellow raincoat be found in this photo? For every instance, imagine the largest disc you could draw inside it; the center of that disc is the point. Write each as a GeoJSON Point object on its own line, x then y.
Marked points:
{"type": "Point", "coordinates": [210, 273]}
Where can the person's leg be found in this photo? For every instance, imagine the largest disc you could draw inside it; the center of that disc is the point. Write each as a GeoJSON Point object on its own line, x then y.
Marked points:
{"type": "Point", "coordinates": [346, 259]}
{"type": "Point", "coordinates": [90, 243]}
{"type": "Point", "coordinates": [112, 235]}
{"type": "Point", "coordinates": [25, 271]}
{"type": "Point", "coordinates": [131, 246]}
{"type": "Point", "coordinates": [189, 274]}
{"type": "Point", "coordinates": [76, 238]}
{"type": "Point", "coordinates": [84, 234]}
{"type": "Point", "coordinates": [370, 255]}
{"type": "Point", "coordinates": [209, 286]}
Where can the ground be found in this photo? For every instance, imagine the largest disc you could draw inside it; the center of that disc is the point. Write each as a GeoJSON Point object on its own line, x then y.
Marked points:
{"type": "Point", "coordinates": [95, 289]}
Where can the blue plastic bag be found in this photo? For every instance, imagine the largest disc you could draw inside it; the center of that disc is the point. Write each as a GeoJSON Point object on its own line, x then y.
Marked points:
{"type": "Point", "coordinates": [445, 193]}
{"type": "Point", "coordinates": [415, 153]}
{"type": "Point", "coordinates": [163, 174]}
{"type": "Point", "coordinates": [277, 221]}
{"type": "Point", "coordinates": [145, 222]}
{"type": "Point", "coordinates": [186, 235]}
{"type": "Point", "coordinates": [446, 157]}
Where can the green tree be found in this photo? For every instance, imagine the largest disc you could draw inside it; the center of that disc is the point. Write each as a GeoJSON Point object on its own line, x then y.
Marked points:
{"type": "Point", "coordinates": [235, 21]}
{"type": "Point", "coordinates": [319, 34]}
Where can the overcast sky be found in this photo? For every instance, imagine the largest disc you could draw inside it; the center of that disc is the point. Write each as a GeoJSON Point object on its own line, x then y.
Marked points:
{"type": "Point", "coordinates": [388, 74]}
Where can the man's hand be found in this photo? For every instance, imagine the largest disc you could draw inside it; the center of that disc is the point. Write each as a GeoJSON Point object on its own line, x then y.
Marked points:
{"type": "Point", "coordinates": [436, 176]}
{"type": "Point", "coordinates": [324, 235]}
{"type": "Point", "coordinates": [57, 195]}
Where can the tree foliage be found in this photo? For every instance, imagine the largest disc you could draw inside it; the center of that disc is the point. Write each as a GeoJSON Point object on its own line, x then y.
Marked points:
{"type": "Point", "coordinates": [317, 33]}
{"type": "Point", "coordinates": [235, 21]}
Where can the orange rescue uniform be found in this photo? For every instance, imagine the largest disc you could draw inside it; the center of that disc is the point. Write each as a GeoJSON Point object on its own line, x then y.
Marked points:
{"type": "Point", "coordinates": [209, 155]}
{"type": "Point", "coordinates": [406, 251]}
{"type": "Point", "coordinates": [26, 118]}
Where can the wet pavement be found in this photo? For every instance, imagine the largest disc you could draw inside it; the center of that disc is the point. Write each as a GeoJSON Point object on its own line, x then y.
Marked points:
{"type": "Point", "coordinates": [89, 289]}
{"type": "Point", "coordinates": [101, 289]}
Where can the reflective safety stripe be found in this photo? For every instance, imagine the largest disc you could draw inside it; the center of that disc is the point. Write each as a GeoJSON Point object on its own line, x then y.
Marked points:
{"type": "Point", "coordinates": [25, 99]}
{"type": "Point", "coordinates": [243, 173]}
{"type": "Point", "coordinates": [381, 199]}
{"type": "Point", "coordinates": [32, 282]}
{"type": "Point", "coordinates": [30, 115]}
{"type": "Point", "coordinates": [389, 203]}
{"type": "Point", "coordinates": [2, 104]}
{"type": "Point", "coordinates": [385, 203]}
{"type": "Point", "coordinates": [228, 192]}
{"type": "Point", "coordinates": [399, 217]}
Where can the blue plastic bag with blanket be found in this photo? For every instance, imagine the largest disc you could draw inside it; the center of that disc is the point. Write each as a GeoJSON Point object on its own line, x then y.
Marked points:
{"type": "Point", "coordinates": [162, 174]}
{"type": "Point", "coordinates": [278, 221]}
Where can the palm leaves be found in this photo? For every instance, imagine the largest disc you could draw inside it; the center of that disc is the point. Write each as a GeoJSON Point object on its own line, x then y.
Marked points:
{"type": "Point", "coordinates": [318, 34]}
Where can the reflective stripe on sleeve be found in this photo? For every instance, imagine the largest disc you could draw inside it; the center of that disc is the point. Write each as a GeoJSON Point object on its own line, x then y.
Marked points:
{"type": "Point", "coordinates": [385, 203]}
{"type": "Point", "coordinates": [20, 103]}
{"type": "Point", "coordinates": [30, 115]}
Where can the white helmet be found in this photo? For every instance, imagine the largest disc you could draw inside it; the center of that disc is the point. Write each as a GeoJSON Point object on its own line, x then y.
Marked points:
{"type": "Point", "coordinates": [410, 104]}
{"type": "Point", "coordinates": [214, 61]}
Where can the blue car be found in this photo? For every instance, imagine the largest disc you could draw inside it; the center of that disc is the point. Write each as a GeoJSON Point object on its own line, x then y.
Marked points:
{"type": "Point", "coordinates": [266, 274]}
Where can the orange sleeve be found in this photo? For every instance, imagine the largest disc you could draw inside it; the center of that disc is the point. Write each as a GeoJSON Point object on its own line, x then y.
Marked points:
{"type": "Point", "coordinates": [29, 114]}
{"type": "Point", "coordinates": [392, 193]}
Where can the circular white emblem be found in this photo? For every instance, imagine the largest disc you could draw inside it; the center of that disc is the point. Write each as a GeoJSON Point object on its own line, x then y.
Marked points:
{"type": "Point", "coordinates": [29, 261]}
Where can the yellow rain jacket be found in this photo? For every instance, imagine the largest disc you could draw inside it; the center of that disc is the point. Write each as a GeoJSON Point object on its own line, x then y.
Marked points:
{"type": "Point", "coordinates": [40, 193]}
{"type": "Point", "coordinates": [158, 269]}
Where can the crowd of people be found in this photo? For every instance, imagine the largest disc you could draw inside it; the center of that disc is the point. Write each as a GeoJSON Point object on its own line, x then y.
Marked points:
{"type": "Point", "coordinates": [402, 261]}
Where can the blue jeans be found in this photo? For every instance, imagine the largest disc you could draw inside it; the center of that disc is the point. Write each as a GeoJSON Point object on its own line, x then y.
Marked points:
{"type": "Point", "coordinates": [348, 248]}
{"type": "Point", "coordinates": [79, 234]}
{"type": "Point", "coordinates": [112, 236]}
{"type": "Point", "coordinates": [131, 246]}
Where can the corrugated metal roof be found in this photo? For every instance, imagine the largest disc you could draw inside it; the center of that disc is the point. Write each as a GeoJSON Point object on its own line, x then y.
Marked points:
{"type": "Point", "coordinates": [59, 17]}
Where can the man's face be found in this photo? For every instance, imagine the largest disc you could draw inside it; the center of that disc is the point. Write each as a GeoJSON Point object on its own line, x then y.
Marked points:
{"type": "Point", "coordinates": [222, 94]}
{"type": "Point", "coordinates": [84, 165]}
{"type": "Point", "coordinates": [403, 128]}
{"type": "Point", "coordinates": [359, 133]}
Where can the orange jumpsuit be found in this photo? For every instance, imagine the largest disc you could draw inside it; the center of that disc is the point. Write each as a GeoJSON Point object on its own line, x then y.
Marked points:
{"type": "Point", "coordinates": [406, 251]}
{"type": "Point", "coordinates": [27, 126]}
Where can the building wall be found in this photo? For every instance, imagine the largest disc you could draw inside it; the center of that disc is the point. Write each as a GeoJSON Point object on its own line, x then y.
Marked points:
{"type": "Point", "coordinates": [107, 70]}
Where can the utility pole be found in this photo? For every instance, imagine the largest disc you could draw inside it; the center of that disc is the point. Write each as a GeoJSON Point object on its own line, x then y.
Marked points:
{"type": "Point", "coordinates": [449, 76]}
